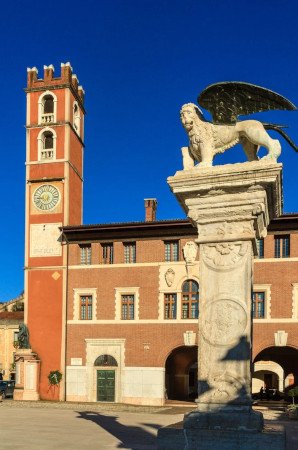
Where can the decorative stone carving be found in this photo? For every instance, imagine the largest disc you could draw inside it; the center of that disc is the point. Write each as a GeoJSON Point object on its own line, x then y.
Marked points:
{"type": "Point", "coordinates": [225, 320]}
{"type": "Point", "coordinates": [189, 338]}
{"type": "Point", "coordinates": [280, 338]}
{"type": "Point", "coordinates": [190, 251]}
{"type": "Point", "coordinates": [170, 276]}
{"type": "Point", "coordinates": [226, 386]}
{"type": "Point", "coordinates": [226, 229]}
{"type": "Point", "coordinates": [224, 255]}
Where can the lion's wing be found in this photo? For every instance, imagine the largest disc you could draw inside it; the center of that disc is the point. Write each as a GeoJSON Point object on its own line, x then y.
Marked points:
{"type": "Point", "coordinates": [229, 99]}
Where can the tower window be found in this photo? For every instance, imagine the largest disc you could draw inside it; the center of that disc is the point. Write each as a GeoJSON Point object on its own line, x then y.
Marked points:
{"type": "Point", "coordinates": [47, 109]}
{"type": "Point", "coordinates": [48, 140]}
{"type": "Point", "coordinates": [76, 117]}
{"type": "Point", "coordinates": [48, 106]}
{"type": "Point", "coordinates": [47, 151]}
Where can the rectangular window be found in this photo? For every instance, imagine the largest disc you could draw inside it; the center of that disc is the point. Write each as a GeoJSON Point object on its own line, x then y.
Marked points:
{"type": "Point", "coordinates": [190, 300]}
{"type": "Point", "coordinates": [107, 253]}
{"type": "Point", "coordinates": [172, 251]}
{"type": "Point", "coordinates": [86, 307]}
{"type": "Point", "coordinates": [127, 307]}
{"type": "Point", "coordinates": [130, 252]}
{"type": "Point", "coordinates": [281, 246]}
{"type": "Point", "coordinates": [260, 248]}
{"type": "Point", "coordinates": [170, 304]}
{"type": "Point", "coordinates": [258, 305]}
{"type": "Point", "coordinates": [15, 336]}
{"type": "Point", "coordinates": [85, 254]}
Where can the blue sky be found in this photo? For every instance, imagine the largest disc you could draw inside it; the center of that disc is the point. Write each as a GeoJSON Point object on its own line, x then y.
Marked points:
{"type": "Point", "coordinates": [138, 62]}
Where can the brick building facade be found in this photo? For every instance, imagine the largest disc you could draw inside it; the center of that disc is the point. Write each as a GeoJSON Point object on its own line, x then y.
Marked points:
{"type": "Point", "coordinates": [114, 307]}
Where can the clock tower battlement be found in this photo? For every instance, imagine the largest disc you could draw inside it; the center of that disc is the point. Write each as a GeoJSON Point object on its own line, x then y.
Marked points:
{"type": "Point", "coordinates": [54, 187]}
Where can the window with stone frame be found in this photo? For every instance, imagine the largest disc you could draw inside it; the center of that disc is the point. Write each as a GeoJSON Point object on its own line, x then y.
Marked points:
{"type": "Point", "coordinates": [107, 253]}
{"type": "Point", "coordinates": [47, 109]}
{"type": "Point", "coordinates": [47, 145]}
{"type": "Point", "coordinates": [190, 300]}
{"type": "Point", "coordinates": [85, 257]}
{"type": "Point", "coordinates": [48, 104]}
{"type": "Point", "coordinates": [127, 307]}
{"type": "Point", "coordinates": [258, 305]}
{"type": "Point", "coordinates": [171, 251]}
{"type": "Point", "coordinates": [282, 246]}
{"type": "Point", "coordinates": [260, 248]}
{"type": "Point", "coordinates": [76, 117]}
{"type": "Point", "coordinates": [170, 306]}
{"type": "Point", "coordinates": [129, 252]}
{"type": "Point", "coordinates": [86, 307]}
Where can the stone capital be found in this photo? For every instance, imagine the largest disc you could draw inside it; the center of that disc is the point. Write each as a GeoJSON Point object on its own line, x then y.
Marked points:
{"type": "Point", "coordinates": [235, 201]}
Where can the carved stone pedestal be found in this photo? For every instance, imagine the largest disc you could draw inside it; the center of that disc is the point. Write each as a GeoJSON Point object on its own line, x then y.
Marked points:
{"type": "Point", "coordinates": [230, 206]}
{"type": "Point", "coordinates": [27, 375]}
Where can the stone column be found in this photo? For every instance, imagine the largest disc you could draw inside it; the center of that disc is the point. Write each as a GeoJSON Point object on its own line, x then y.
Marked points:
{"type": "Point", "coordinates": [230, 206]}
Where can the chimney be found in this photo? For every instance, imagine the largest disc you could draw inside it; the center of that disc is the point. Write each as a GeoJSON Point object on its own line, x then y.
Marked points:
{"type": "Point", "coordinates": [150, 209]}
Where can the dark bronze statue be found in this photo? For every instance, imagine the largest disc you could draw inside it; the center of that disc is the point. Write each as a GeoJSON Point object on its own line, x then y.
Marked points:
{"type": "Point", "coordinates": [23, 336]}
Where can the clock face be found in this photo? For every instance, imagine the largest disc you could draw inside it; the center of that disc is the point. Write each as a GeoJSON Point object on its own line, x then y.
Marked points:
{"type": "Point", "coordinates": [46, 197]}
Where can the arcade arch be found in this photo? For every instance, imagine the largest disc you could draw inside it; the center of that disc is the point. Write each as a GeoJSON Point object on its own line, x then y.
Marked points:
{"type": "Point", "coordinates": [181, 373]}
{"type": "Point", "coordinates": [275, 368]}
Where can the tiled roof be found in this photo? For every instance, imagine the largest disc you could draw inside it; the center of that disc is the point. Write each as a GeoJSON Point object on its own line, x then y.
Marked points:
{"type": "Point", "coordinates": [11, 315]}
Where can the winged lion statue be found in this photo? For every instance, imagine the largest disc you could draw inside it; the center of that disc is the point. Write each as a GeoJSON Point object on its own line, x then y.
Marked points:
{"type": "Point", "coordinates": [226, 101]}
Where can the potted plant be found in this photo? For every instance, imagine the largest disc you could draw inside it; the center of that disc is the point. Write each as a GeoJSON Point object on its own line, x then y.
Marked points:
{"type": "Point", "coordinates": [292, 410]}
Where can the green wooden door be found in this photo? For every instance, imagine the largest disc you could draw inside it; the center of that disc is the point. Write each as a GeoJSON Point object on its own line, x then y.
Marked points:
{"type": "Point", "coordinates": [106, 385]}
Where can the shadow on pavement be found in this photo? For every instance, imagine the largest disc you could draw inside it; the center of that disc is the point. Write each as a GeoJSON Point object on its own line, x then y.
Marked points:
{"type": "Point", "coordinates": [130, 437]}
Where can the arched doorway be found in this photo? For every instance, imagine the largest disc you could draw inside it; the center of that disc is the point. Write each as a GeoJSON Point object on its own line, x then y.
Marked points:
{"type": "Point", "coordinates": [182, 374]}
{"type": "Point", "coordinates": [274, 365]}
{"type": "Point", "coordinates": [105, 378]}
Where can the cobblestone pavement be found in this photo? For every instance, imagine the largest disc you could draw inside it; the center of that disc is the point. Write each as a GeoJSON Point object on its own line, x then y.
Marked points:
{"type": "Point", "coordinates": [93, 426]}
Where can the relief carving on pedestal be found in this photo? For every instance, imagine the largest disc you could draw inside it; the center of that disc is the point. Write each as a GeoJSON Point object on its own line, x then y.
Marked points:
{"type": "Point", "coordinates": [226, 387]}
{"type": "Point", "coordinates": [224, 255]}
{"type": "Point", "coordinates": [225, 229]}
{"type": "Point", "coordinates": [225, 321]}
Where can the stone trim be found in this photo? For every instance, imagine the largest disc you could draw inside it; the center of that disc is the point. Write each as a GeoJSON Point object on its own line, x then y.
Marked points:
{"type": "Point", "coordinates": [267, 289]}
{"type": "Point", "coordinates": [95, 348]}
{"type": "Point", "coordinates": [126, 291]}
{"type": "Point", "coordinates": [295, 301]}
{"type": "Point", "coordinates": [135, 322]}
{"type": "Point", "coordinates": [77, 292]}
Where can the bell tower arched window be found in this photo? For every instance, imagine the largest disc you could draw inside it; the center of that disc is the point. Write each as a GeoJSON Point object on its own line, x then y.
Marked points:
{"type": "Point", "coordinates": [47, 106]}
{"type": "Point", "coordinates": [76, 118]}
{"type": "Point", "coordinates": [46, 145]}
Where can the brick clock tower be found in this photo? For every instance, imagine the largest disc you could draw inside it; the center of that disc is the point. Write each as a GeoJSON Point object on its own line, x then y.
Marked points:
{"type": "Point", "coordinates": [54, 182]}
